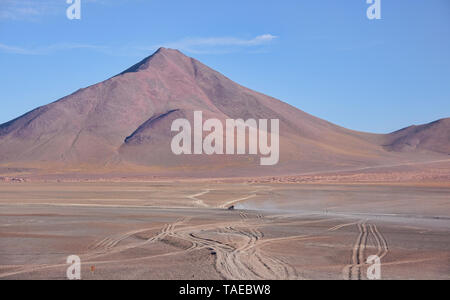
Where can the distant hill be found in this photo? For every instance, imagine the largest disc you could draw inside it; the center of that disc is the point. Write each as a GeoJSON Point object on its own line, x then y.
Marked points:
{"type": "Point", "coordinates": [432, 137]}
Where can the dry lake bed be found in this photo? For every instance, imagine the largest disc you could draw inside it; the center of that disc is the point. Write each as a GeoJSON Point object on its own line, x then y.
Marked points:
{"type": "Point", "coordinates": [184, 230]}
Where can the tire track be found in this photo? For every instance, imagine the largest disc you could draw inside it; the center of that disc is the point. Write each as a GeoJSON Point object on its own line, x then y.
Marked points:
{"type": "Point", "coordinates": [358, 260]}
{"type": "Point", "coordinates": [237, 248]}
{"type": "Point", "coordinates": [352, 271]}
{"type": "Point", "coordinates": [381, 242]}
{"type": "Point", "coordinates": [197, 201]}
{"type": "Point", "coordinates": [110, 245]}
{"type": "Point", "coordinates": [336, 228]}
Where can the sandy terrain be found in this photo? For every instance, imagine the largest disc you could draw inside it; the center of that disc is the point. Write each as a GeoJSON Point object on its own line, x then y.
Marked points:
{"type": "Point", "coordinates": [181, 230]}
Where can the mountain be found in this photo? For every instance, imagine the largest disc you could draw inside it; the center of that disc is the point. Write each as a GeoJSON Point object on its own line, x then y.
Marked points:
{"type": "Point", "coordinates": [432, 137]}
{"type": "Point", "coordinates": [123, 125]}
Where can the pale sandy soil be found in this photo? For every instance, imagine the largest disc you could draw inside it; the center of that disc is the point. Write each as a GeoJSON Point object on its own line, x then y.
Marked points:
{"type": "Point", "coordinates": [180, 230]}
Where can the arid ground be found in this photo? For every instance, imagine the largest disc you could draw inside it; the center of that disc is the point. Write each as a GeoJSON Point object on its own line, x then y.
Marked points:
{"type": "Point", "coordinates": [183, 230]}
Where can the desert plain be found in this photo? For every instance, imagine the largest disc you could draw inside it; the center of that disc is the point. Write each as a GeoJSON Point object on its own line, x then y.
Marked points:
{"type": "Point", "coordinates": [183, 229]}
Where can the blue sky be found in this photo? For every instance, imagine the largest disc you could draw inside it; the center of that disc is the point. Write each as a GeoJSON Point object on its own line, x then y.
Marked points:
{"type": "Point", "coordinates": [322, 56]}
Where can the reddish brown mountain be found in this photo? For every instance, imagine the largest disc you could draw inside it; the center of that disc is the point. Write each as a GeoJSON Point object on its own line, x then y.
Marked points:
{"type": "Point", "coordinates": [123, 125]}
{"type": "Point", "coordinates": [431, 137]}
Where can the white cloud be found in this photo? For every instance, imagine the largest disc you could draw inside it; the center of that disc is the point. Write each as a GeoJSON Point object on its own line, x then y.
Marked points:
{"type": "Point", "coordinates": [212, 45]}
{"type": "Point", "coordinates": [216, 44]}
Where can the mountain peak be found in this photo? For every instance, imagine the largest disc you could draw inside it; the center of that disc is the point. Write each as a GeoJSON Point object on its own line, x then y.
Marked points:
{"type": "Point", "coordinates": [168, 50]}
{"type": "Point", "coordinates": [161, 53]}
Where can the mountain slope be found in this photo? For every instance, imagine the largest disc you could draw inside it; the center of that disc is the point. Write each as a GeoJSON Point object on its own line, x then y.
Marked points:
{"type": "Point", "coordinates": [430, 137]}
